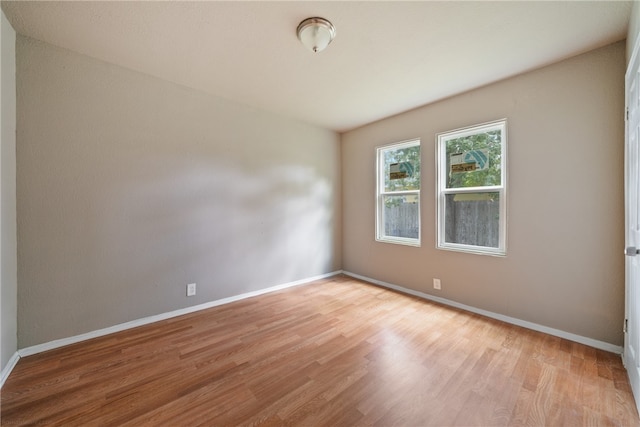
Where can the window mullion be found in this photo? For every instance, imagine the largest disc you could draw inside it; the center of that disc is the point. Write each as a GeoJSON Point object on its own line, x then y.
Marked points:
{"type": "Point", "coordinates": [488, 189]}
{"type": "Point", "coordinates": [399, 193]}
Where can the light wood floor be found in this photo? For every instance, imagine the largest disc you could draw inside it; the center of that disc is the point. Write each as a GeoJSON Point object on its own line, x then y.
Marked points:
{"type": "Point", "coordinates": [338, 352]}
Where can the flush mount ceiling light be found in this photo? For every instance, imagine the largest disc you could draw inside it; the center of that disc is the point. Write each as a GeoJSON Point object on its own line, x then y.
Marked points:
{"type": "Point", "coordinates": [316, 33]}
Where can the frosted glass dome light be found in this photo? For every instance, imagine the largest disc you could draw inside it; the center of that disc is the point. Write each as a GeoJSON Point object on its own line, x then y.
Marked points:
{"type": "Point", "coordinates": [316, 33]}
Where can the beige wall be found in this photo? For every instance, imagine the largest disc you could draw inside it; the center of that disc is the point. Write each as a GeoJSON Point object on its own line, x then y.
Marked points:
{"type": "Point", "coordinates": [130, 187]}
{"type": "Point", "coordinates": [564, 267]}
{"type": "Point", "coordinates": [634, 28]}
{"type": "Point", "coordinates": [8, 277]}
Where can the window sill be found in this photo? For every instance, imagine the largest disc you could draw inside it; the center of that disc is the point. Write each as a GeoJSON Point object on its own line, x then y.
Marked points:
{"type": "Point", "coordinates": [399, 241]}
{"type": "Point", "coordinates": [476, 250]}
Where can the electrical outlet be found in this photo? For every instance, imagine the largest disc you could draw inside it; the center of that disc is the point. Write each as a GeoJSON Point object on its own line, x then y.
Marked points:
{"type": "Point", "coordinates": [436, 284]}
{"type": "Point", "coordinates": [191, 289]}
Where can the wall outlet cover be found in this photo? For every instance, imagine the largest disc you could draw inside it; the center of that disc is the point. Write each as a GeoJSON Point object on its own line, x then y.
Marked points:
{"type": "Point", "coordinates": [191, 289]}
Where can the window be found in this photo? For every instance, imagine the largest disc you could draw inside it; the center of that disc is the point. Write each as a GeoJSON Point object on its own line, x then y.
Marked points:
{"type": "Point", "coordinates": [472, 201]}
{"type": "Point", "coordinates": [398, 193]}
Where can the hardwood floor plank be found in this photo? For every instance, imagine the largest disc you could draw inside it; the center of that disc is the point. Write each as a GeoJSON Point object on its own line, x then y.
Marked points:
{"type": "Point", "coordinates": [542, 403]}
{"type": "Point", "coordinates": [337, 352]}
{"type": "Point", "coordinates": [522, 408]}
{"type": "Point", "coordinates": [504, 403]}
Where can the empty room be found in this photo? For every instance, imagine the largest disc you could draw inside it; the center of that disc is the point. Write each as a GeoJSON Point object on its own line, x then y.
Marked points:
{"type": "Point", "coordinates": [320, 213]}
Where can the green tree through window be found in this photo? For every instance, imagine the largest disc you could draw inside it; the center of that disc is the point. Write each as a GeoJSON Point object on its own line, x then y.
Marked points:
{"type": "Point", "coordinates": [489, 141]}
{"type": "Point", "coordinates": [410, 156]}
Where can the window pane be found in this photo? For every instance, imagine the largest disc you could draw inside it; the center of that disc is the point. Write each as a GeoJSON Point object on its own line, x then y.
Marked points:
{"type": "Point", "coordinates": [474, 160]}
{"type": "Point", "coordinates": [473, 219]}
{"type": "Point", "coordinates": [401, 216]}
{"type": "Point", "coordinates": [402, 169]}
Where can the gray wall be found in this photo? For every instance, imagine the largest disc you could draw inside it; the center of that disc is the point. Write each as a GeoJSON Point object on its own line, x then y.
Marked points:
{"type": "Point", "coordinates": [130, 187]}
{"type": "Point", "coordinates": [564, 267]}
{"type": "Point", "coordinates": [8, 277]}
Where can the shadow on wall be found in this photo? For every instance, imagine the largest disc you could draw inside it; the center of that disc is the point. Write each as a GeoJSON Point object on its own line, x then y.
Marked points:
{"type": "Point", "coordinates": [229, 230]}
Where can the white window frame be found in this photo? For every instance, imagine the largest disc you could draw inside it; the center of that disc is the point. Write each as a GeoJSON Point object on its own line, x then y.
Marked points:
{"type": "Point", "coordinates": [442, 190]}
{"type": "Point", "coordinates": [381, 193]}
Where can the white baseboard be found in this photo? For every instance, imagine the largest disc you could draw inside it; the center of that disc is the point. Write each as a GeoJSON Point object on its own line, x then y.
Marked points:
{"type": "Point", "coordinates": [518, 322]}
{"type": "Point", "coordinates": [8, 368]}
{"type": "Point", "coordinates": [39, 348]}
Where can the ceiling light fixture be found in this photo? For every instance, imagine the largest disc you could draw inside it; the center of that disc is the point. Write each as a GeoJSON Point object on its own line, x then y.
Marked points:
{"type": "Point", "coordinates": [316, 33]}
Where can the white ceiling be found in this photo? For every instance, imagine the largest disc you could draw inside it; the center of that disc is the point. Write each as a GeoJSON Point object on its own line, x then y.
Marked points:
{"type": "Point", "coordinates": [388, 57]}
